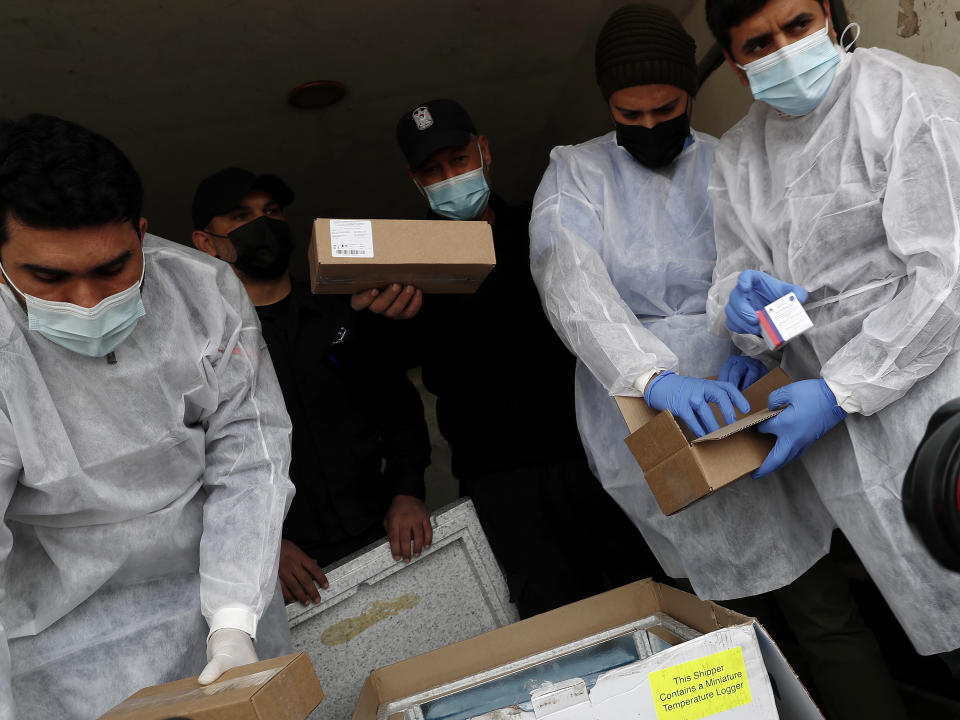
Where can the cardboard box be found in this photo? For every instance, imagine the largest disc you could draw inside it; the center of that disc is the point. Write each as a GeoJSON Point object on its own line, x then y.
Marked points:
{"type": "Point", "coordinates": [437, 256]}
{"type": "Point", "coordinates": [284, 688]}
{"type": "Point", "coordinates": [388, 691]}
{"type": "Point", "coordinates": [680, 467]}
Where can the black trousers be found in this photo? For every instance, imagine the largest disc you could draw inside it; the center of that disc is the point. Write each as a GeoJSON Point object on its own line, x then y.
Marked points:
{"type": "Point", "coordinates": [818, 625]}
{"type": "Point", "coordinates": [557, 534]}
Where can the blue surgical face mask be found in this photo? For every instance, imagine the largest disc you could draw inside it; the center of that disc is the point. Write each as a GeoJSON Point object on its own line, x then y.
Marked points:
{"type": "Point", "coordinates": [93, 332]}
{"type": "Point", "coordinates": [795, 78]}
{"type": "Point", "coordinates": [463, 197]}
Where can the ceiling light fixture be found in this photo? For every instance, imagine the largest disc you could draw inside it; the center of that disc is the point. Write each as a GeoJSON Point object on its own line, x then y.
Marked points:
{"type": "Point", "coordinates": [317, 94]}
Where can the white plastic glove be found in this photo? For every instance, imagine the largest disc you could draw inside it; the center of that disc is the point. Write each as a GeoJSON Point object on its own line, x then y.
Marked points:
{"type": "Point", "coordinates": [227, 648]}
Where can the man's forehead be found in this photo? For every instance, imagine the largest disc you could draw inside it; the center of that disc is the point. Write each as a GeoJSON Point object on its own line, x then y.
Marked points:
{"type": "Point", "coordinates": [646, 97]}
{"type": "Point", "coordinates": [258, 198]}
{"type": "Point", "coordinates": [253, 200]}
{"type": "Point", "coordinates": [775, 14]}
{"type": "Point", "coordinates": [86, 234]}
{"type": "Point", "coordinates": [444, 153]}
{"type": "Point", "coordinates": [72, 249]}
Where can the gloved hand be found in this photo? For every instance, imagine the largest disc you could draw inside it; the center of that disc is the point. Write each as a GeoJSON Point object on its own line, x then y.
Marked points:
{"type": "Point", "coordinates": [689, 399]}
{"type": "Point", "coordinates": [756, 290]}
{"type": "Point", "coordinates": [811, 411]}
{"type": "Point", "coordinates": [227, 648]}
{"type": "Point", "coordinates": [741, 371]}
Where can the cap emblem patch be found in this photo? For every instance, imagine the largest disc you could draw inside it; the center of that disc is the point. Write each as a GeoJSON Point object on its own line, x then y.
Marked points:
{"type": "Point", "coordinates": [422, 118]}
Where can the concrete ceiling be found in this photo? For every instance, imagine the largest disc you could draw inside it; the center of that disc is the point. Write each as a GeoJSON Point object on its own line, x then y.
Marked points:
{"type": "Point", "coordinates": [187, 87]}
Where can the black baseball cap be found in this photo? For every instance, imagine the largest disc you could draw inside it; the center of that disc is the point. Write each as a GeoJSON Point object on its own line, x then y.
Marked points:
{"type": "Point", "coordinates": [433, 125]}
{"type": "Point", "coordinates": [222, 192]}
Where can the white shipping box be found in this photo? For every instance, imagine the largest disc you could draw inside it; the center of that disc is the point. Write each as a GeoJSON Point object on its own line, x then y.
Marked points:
{"type": "Point", "coordinates": [642, 652]}
{"type": "Point", "coordinates": [722, 672]}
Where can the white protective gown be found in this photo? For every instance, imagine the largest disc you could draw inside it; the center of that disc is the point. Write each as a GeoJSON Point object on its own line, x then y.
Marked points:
{"type": "Point", "coordinates": [623, 257]}
{"type": "Point", "coordinates": [865, 188]}
{"type": "Point", "coordinates": [141, 498]}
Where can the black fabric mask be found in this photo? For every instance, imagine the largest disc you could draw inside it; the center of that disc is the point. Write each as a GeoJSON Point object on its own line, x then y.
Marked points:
{"type": "Point", "coordinates": [658, 146]}
{"type": "Point", "coordinates": [264, 247]}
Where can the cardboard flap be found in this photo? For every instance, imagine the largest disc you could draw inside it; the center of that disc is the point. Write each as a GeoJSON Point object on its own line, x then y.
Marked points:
{"type": "Point", "coordinates": [792, 698]}
{"type": "Point", "coordinates": [668, 637]}
{"type": "Point", "coordinates": [636, 413]}
{"type": "Point", "coordinates": [661, 439]}
{"type": "Point", "coordinates": [756, 395]}
{"type": "Point", "coordinates": [677, 481]}
{"type": "Point", "coordinates": [742, 424]}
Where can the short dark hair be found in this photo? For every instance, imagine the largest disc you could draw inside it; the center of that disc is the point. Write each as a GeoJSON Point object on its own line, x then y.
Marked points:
{"type": "Point", "coordinates": [725, 14]}
{"type": "Point", "coordinates": [57, 174]}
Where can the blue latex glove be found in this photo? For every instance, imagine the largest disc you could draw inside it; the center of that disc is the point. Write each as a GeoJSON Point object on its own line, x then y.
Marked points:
{"type": "Point", "coordinates": [741, 371]}
{"type": "Point", "coordinates": [756, 290]}
{"type": "Point", "coordinates": [689, 399]}
{"type": "Point", "coordinates": [811, 411]}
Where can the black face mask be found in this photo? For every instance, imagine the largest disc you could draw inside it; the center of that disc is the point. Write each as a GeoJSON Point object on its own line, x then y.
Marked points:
{"type": "Point", "coordinates": [264, 247]}
{"type": "Point", "coordinates": [658, 146]}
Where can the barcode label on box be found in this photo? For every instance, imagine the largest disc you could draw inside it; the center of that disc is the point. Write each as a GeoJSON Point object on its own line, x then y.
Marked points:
{"type": "Point", "coordinates": [351, 238]}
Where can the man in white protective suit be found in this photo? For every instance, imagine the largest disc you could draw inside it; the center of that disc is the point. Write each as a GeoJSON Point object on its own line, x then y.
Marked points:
{"type": "Point", "coordinates": [622, 250]}
{"type": "Point", "coordinates": [843, 183]}
{"type": "Point", "coordinates": [144, 443]}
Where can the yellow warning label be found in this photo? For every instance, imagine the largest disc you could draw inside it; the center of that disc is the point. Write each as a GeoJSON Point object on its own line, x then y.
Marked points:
{"type": "Point", "coordinates": [702, 687]}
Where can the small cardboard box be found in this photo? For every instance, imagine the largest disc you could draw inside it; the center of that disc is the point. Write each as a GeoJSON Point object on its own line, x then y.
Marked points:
{"type": "Point", "coordinates": [437, 256]}
{"type": "Point", "coordinates": [681, 468]}
{"type": "Point", "coordinates": [284, 688]}
{"type": "Point", "coordinates": [421, 677]}
{"type": "Point", "coordinates": [783, 320]}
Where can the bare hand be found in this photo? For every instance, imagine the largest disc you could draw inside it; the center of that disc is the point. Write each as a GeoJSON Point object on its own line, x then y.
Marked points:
{"type": "Point", "coordinates": [297, 574]}
{"type": "Point", "coordinates": [407, 520]}
{"type": "Point", "coordinates": [394, 301]}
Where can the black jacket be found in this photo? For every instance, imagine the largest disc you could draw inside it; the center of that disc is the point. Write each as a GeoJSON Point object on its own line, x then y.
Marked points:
{"type": "Point", "coordinates": [351, 409]}
{"type": "Point", "coordinates": [503, 379]}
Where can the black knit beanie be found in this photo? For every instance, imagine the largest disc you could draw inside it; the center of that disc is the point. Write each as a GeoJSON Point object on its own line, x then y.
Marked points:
{"type": "Point", "coordinates": [645, 45]}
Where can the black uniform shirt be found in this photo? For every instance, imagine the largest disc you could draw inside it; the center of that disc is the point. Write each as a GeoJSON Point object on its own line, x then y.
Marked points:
{"type": "Point", "coordinates": [351, 409]}
{"type": "Point", "coordinates": [503, 379]}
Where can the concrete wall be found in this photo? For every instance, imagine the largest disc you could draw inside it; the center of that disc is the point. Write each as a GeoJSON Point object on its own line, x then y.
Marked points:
{"type": "Point", "coordinates": [925, 30]}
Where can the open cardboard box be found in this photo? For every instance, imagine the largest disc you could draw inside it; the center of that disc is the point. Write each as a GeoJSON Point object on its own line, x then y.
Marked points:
{"type": "Point", "coordinates": [681, 468]}
{"type": "Point", "coordinates": [283, 688]}
{"type": "Point", "coordinates": [437, 256]}
{"type": "Point", "coordinates": [388, 688]}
